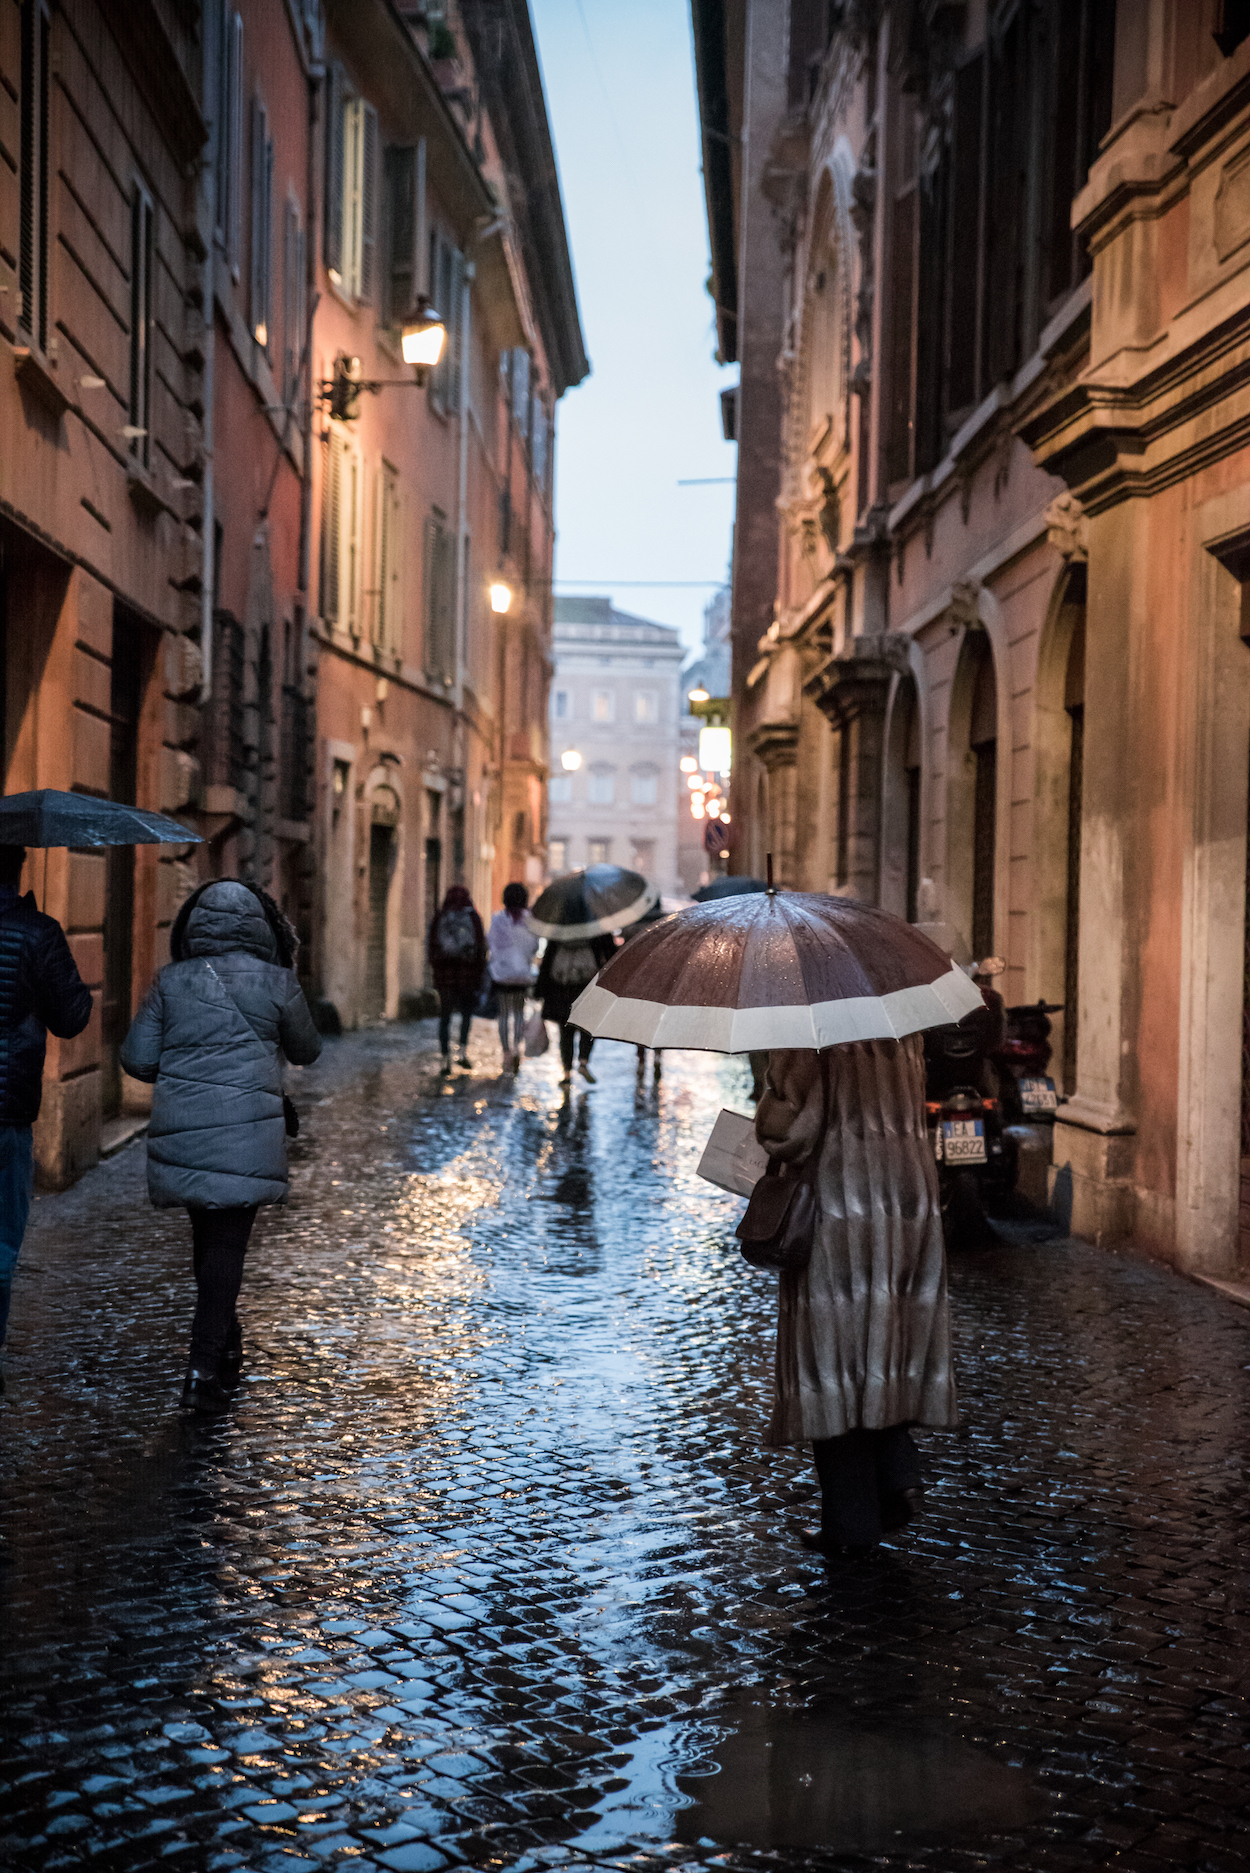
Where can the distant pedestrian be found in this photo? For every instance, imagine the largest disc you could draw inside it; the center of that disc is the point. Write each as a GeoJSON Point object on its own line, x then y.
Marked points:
{"type": "Point", "coordinates": [657, 914]}
{"type": "Point", "coordinates": [863, 1331]}
{"type": "Point", "coordinates": [41, 991]}
{"type": "Point", "coordinates": [210, 1035]}
{"type": "Point", "coordinates": [512, 948]}
{"type": "Point", "coordinates": [565, 970]}
{"type": "Point", "coordinates": [456, 947]}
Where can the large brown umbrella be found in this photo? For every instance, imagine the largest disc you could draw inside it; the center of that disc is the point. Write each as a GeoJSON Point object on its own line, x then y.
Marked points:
{"type": "Point", "coordinates": [778, 969]}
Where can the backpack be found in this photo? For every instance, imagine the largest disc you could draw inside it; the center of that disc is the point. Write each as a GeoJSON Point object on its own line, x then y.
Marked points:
{"type": "Point", "coordinates": [457, 937]}
{"type": "Point", "coordinates": [574, 965]}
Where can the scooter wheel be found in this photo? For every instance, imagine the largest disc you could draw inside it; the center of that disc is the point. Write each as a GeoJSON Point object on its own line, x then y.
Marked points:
{"type": "Point", "coordinates": [964, 1221]}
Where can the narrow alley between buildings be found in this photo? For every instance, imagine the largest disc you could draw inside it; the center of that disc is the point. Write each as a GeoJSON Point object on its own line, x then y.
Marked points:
{"type": "Point", "coordinates": [489, 1566]}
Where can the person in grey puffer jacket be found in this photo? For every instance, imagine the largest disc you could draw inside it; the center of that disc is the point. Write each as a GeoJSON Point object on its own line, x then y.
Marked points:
{"type": "Point", "coordinates": [209, 1036]}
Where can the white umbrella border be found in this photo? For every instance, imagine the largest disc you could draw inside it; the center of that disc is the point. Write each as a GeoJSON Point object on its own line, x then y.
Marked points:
{"type": "Point", "coordinates": [751, 1030]}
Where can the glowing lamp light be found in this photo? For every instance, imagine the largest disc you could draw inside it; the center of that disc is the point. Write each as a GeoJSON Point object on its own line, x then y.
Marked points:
{"type": "Point", "coordinates": [422, 341]}
{"type": "Point", "coordinates": [696, 809]}
{"type": "Point", "coordinates": [500, 596]}
{"type": "Point", "coordinates": [697, 695]}
{"type": "Point", "coordinates": [693, 781]}
{"type": "Point", "coordinates": [570, 760]}
{"type": "Point", "coordinates": [688, 764]}
{"type": "Point", "coordinates": [724, 819]}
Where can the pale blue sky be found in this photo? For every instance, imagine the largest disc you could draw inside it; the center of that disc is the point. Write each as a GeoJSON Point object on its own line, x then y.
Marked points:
{"type": "Point", "coordinates": [620, 91]}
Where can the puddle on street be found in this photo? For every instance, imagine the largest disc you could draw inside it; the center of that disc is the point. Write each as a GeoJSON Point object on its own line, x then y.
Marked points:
{"type": "Point", "coordinates": [786, 1779]}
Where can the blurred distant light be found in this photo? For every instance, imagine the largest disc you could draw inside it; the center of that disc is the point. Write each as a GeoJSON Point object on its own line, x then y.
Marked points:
{"type": "Point", "coordinates": [688, 764]}
{"type": "Point", "coordinates": [570, 760]}
{"type": "Point", "coordinates": [716, 750]}
{"type": "Point", "coordinates": [697, 695]}
{"type": "Point", "coordinates": [500, 596]}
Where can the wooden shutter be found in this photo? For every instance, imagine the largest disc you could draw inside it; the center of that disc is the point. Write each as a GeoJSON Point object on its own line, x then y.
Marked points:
{"type": "Point", "coordinates": [331, 529]}
{"type": "Point", "coordinates": [367, 287]}
{"type": "Point", "coordinates": [332, 236]}
{"type": "Point", "coordinates": [403, 233]}
{"type": "Point", "coordinates": [440, 599]}
{"type": "Point", "coordinates": [455, 328]}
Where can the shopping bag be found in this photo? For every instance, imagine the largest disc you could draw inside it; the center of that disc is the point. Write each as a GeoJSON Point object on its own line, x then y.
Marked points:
{"type": "Point", "coordinates": [536, 1041]}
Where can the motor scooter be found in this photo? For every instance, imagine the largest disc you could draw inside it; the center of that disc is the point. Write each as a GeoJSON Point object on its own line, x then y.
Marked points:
{"type": "Point", "coordinates": [1029, 1094]}
{"type": "Point", "coordinates": [975, 1157]}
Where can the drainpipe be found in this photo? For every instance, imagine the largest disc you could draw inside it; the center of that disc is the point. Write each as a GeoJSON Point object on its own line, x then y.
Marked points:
{"type": "Point", "coordinates": [316, 73]}
{"type": "Point", "coordinates": [462, 497]}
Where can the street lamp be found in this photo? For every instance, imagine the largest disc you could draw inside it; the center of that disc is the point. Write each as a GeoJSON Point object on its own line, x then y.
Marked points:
{"type": "Point", "coordinates": [421, 343]}
{"type": "Point", "coordinates": [570, 760]}
{"type": "Point", "coordinates": [697, 695]}
{"type": "Point", "coordinates": [422, 340]}
{"type": "Point", "coordinates": [500, 596]}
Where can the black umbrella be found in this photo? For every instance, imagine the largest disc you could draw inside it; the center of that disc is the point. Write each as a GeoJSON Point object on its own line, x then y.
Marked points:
{"type": "Point", "coordinates": [590, 903]}
{"type": "Point", "coordinates": [728, 887]}
{"type": "Point", "coordinates": [48, 817]}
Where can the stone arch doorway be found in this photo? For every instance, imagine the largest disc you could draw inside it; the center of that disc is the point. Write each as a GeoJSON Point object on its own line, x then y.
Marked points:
{"type": "Point", "coordinates": [383, 853]}
{"type": "Point", "coordinates": [900, 869]}
{"type": "Point", "coordinates": [1059, 740]}
{"type": "Point", "coordinates": [972, 804]}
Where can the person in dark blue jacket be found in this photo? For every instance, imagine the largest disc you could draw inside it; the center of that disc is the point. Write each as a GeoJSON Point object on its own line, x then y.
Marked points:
{"type": "Point", "coordinates": [40, 989]}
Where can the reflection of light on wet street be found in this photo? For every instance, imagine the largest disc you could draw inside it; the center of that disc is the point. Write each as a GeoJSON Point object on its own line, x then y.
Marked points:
{"type": "Point", "coordinates": [489, 1567]}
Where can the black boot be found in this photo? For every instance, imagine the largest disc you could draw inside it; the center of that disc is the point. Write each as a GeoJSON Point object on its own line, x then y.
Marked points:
{"type": "Point", "coordinates": [204, 1392]}
{"type": "Point", "coordinates": [230, 1369]}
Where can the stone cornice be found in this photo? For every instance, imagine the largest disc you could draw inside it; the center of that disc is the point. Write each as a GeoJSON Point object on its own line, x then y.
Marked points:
{"type": "Point", "coordinates": [1110, 440]}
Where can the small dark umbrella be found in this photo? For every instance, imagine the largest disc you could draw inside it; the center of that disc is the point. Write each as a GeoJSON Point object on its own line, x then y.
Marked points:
{"type": "Point", "coordinates": [728, 887]}
{"type": "Point", "coordinates": [48, 817]}
{"type": "Point", "coordinates": [590, 903]}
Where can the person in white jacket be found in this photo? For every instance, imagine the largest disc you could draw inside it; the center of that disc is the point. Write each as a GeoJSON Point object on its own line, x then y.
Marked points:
{"type": "Point", "coordinates": [511, 945]}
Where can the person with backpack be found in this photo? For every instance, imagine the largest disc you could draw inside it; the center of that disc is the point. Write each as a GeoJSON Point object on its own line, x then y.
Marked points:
{"type": "Point", "coordinates": [210, 1037]}
{"type": "Point", "coordinates": [564, 972]}
{"type": "Point", "coordinates": [41, 991]}
{"type": "Point", "coordinates": [512, 947]}
{"type": "Point", "coordinates": [456, 947]}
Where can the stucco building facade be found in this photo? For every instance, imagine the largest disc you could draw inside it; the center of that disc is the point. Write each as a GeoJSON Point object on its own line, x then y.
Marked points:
{"type": "Point", "coordinates": [1006, 486]}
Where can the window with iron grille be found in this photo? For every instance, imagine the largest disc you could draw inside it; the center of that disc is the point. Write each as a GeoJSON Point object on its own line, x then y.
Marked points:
{"type": "Point", "coordinates": [262, 227]}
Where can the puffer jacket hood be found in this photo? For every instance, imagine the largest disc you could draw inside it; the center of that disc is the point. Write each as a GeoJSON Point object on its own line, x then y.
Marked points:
{"type": "Point", "coordinates": [226, 917]}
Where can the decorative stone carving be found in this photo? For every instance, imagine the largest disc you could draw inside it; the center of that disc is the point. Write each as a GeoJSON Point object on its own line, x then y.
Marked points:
{"type": "Point", "coordinates": [1067, 529]}
{"type": "Point", "coordinates": [857, 681]}
{"type": "Point", "coordinates": [1231, 219]}
{"type": "Point", "coordinates": [964, 607]}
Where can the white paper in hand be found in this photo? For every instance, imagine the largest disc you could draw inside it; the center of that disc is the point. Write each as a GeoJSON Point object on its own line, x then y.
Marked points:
{"type": "Point", "coordinates": [733, 1159]}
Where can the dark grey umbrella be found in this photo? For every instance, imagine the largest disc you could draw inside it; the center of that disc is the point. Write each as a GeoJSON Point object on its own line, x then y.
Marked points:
{"type": "Point", "coordinates": [728, 887]}
{"type": "Point", "coordinates": [590, 903]}
{"type": "Point", "coordinates": [48, 817]}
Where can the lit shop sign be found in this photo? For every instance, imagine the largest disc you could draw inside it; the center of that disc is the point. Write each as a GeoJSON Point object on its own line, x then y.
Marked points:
{"type": "Point", "coordinates": [715, 750]}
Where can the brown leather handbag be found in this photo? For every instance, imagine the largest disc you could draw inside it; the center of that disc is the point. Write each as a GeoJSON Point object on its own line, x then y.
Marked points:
{"type": "Point", "coordinates": [778, 1226]}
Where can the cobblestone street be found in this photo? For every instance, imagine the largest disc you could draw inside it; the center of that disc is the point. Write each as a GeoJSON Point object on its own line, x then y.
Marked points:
{"type": "Point", "coordinates": [489, 1567]}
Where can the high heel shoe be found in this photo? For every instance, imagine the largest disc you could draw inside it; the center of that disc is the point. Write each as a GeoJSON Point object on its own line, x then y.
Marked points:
{"type": "Point", "coordinates": [203, 1392]}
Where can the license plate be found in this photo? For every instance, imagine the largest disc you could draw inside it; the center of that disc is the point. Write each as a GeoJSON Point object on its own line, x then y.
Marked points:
{"type": "Point", "coordinates": [1038, 1096]}
{"type": "Point", "coordinates": [963, 1141]}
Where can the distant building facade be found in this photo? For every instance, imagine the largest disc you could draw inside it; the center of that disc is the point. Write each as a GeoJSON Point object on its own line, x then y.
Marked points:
{"type": "Point", "coordinates": [993, 528]}
{"type": "Point", "coordinates": [616, 703]}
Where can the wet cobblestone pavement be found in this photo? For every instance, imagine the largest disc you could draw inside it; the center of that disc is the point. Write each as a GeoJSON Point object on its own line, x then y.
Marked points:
{"type": "Point", "coordinates": [489, 1568]}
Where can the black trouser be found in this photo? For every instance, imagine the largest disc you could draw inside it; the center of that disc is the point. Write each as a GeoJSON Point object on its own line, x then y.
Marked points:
{"type": "Point", "coordinates": [568, 1034]}
{"type": "Point", "coordinates": [862, 1478]}
{"type": "Point", "coordinates": [218, 1245]}
{"type": "Point", "coordinates": [462, 1002]}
